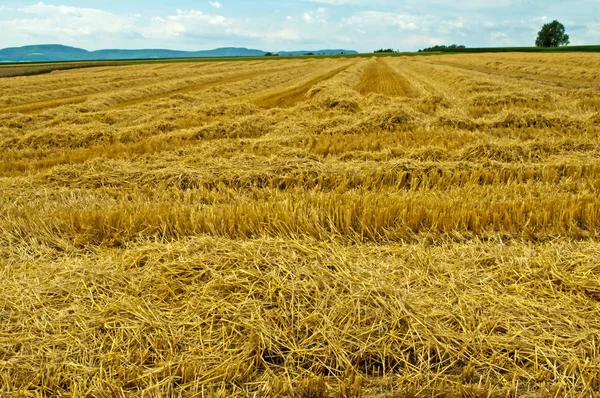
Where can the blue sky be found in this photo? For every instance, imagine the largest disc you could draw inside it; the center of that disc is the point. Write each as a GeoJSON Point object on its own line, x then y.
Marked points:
{"type": "Point", "coordinates": [362, 25]}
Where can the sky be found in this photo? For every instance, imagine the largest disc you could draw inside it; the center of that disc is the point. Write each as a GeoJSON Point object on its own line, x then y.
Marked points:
{"type": "Point", "coordinates": [270, 25]}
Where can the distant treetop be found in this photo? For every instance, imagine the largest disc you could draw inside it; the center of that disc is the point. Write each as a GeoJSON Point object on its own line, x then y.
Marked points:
{"type": "Point", "coordinates": [386, 50]}
{"type": "Point", "coordinates": [443, 48]}
{"type": "Point", "coordinates": [552, 35]}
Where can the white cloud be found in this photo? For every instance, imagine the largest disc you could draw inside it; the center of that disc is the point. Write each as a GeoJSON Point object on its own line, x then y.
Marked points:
{"type": "Point", "coordinates": [284, 34]}
{"type": "Point", "coordinates": [190, 23]}
{"type": "Point", "coordinates": [461, 6]}
{"type": "Point", "coordinates": [373, 20]}
{"type": "Point", "coordinates": [199, 16]}
{"type": "Point", "coordinates": [354, 24]}
{"type": "Point", "coordinates": [43, 23]}
{"type": "Point", "coordinates": [315, 16]}
{"type": "Point", "coordinates": [344, 2]}
{"type": "Point", "coordinates": [499, 35]}
{"type": "Point", "coordinates": [75, 19]}
{"type": "Point", "coordinates": [94, 28]}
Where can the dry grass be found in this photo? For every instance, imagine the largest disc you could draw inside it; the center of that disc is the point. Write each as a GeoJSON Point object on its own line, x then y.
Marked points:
{"type": "Point", "coordinates": [379, 78]}
{"type": "Point", "coordinates": [401, 227]}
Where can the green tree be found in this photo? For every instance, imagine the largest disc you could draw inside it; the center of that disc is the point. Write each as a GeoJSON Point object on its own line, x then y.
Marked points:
{"type": "Point", "coordinates": [552, 35]}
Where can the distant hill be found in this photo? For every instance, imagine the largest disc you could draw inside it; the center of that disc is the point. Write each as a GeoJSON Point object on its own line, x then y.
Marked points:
{"type": "Point", "coordinates": [324, 52]}
{"type": "Point", "coordinates": [56, 52]}
{"type": "Point", "coordinates": [51, 52]}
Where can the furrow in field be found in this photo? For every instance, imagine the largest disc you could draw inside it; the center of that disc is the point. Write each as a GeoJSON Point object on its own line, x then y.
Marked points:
{"type": "Point", "coordinates": [37, 100]}
{"type": "Point", "coordinates": [123, 171]}
{"type": "Point", "coordinates": [476, 94]}
{"type": "Point", "coordinates": [77, 99]}
{"type": "Point", "coordinates": [290, 97]}
{"type": "Point", "coordinates": [187, 89]}
{"type": "Point", "coordinates": [70, 79]}
{"type": "Point", "coordinates": [562, 68]}
{"type": "Point", "coordinates": [103, 80]}
{"type": "Point", "coordinates": [200, 86]}
{"type": "Point", "coordinates": [70, 89]}
{"type": "Point", "coordinates": [39, 106]}
{"type": "Point", "coordinates": [381, 79]}
{"type": "Point", "coordinates": [406, 68]}
{"type": "Point", "coordinates": [553, 81]}
{"type": "Point", "coordinates": [454, 81]}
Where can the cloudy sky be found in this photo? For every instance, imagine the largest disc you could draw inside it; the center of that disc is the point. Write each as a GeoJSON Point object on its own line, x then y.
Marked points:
{"type": "Point", "coordinates": [272, 25]}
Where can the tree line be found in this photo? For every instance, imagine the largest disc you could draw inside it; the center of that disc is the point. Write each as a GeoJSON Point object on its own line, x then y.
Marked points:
{"type": "Point", "coordinates": [551, 35]}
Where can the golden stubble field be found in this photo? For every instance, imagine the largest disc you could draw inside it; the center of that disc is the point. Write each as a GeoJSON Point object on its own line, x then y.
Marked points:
{"type": "Point", "coordinates": [392, 227]}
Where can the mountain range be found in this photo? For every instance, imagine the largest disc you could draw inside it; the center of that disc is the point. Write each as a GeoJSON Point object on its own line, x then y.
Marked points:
{"type": "Point", "coordinates": [57, 52]}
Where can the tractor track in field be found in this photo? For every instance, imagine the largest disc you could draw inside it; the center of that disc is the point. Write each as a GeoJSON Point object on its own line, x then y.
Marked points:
{"type": "Point", "coordinates": [202, 86]}
{"type": "Point", "coordinates": [418, 82]}
{"type": "Point", "coordinates": [380, 78]}
{"type": "Point", "coordinates": [290, 97]}
{"type": "Point", "coordinates": [90, 89]}
{"type": "Point", "coordinates": [38, 106]}
{"type": "Point", "coordinates": [33, 107]}
{"type": "Point", "coordinates": [553, 81]}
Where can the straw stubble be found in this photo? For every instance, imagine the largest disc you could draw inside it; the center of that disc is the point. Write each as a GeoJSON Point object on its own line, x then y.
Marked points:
{"type": "Point", "coordinates": [423, 226]}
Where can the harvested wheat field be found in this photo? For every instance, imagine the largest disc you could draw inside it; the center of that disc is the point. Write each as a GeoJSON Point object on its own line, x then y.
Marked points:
{"type": "Point", "coordinates": [386, 227]}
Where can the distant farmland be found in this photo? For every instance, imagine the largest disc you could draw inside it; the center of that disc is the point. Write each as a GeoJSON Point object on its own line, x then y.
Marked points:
{"type": "Point", "coordinates": [38, 68]}
{"type": "Point", "coordinates": [312, 227]}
